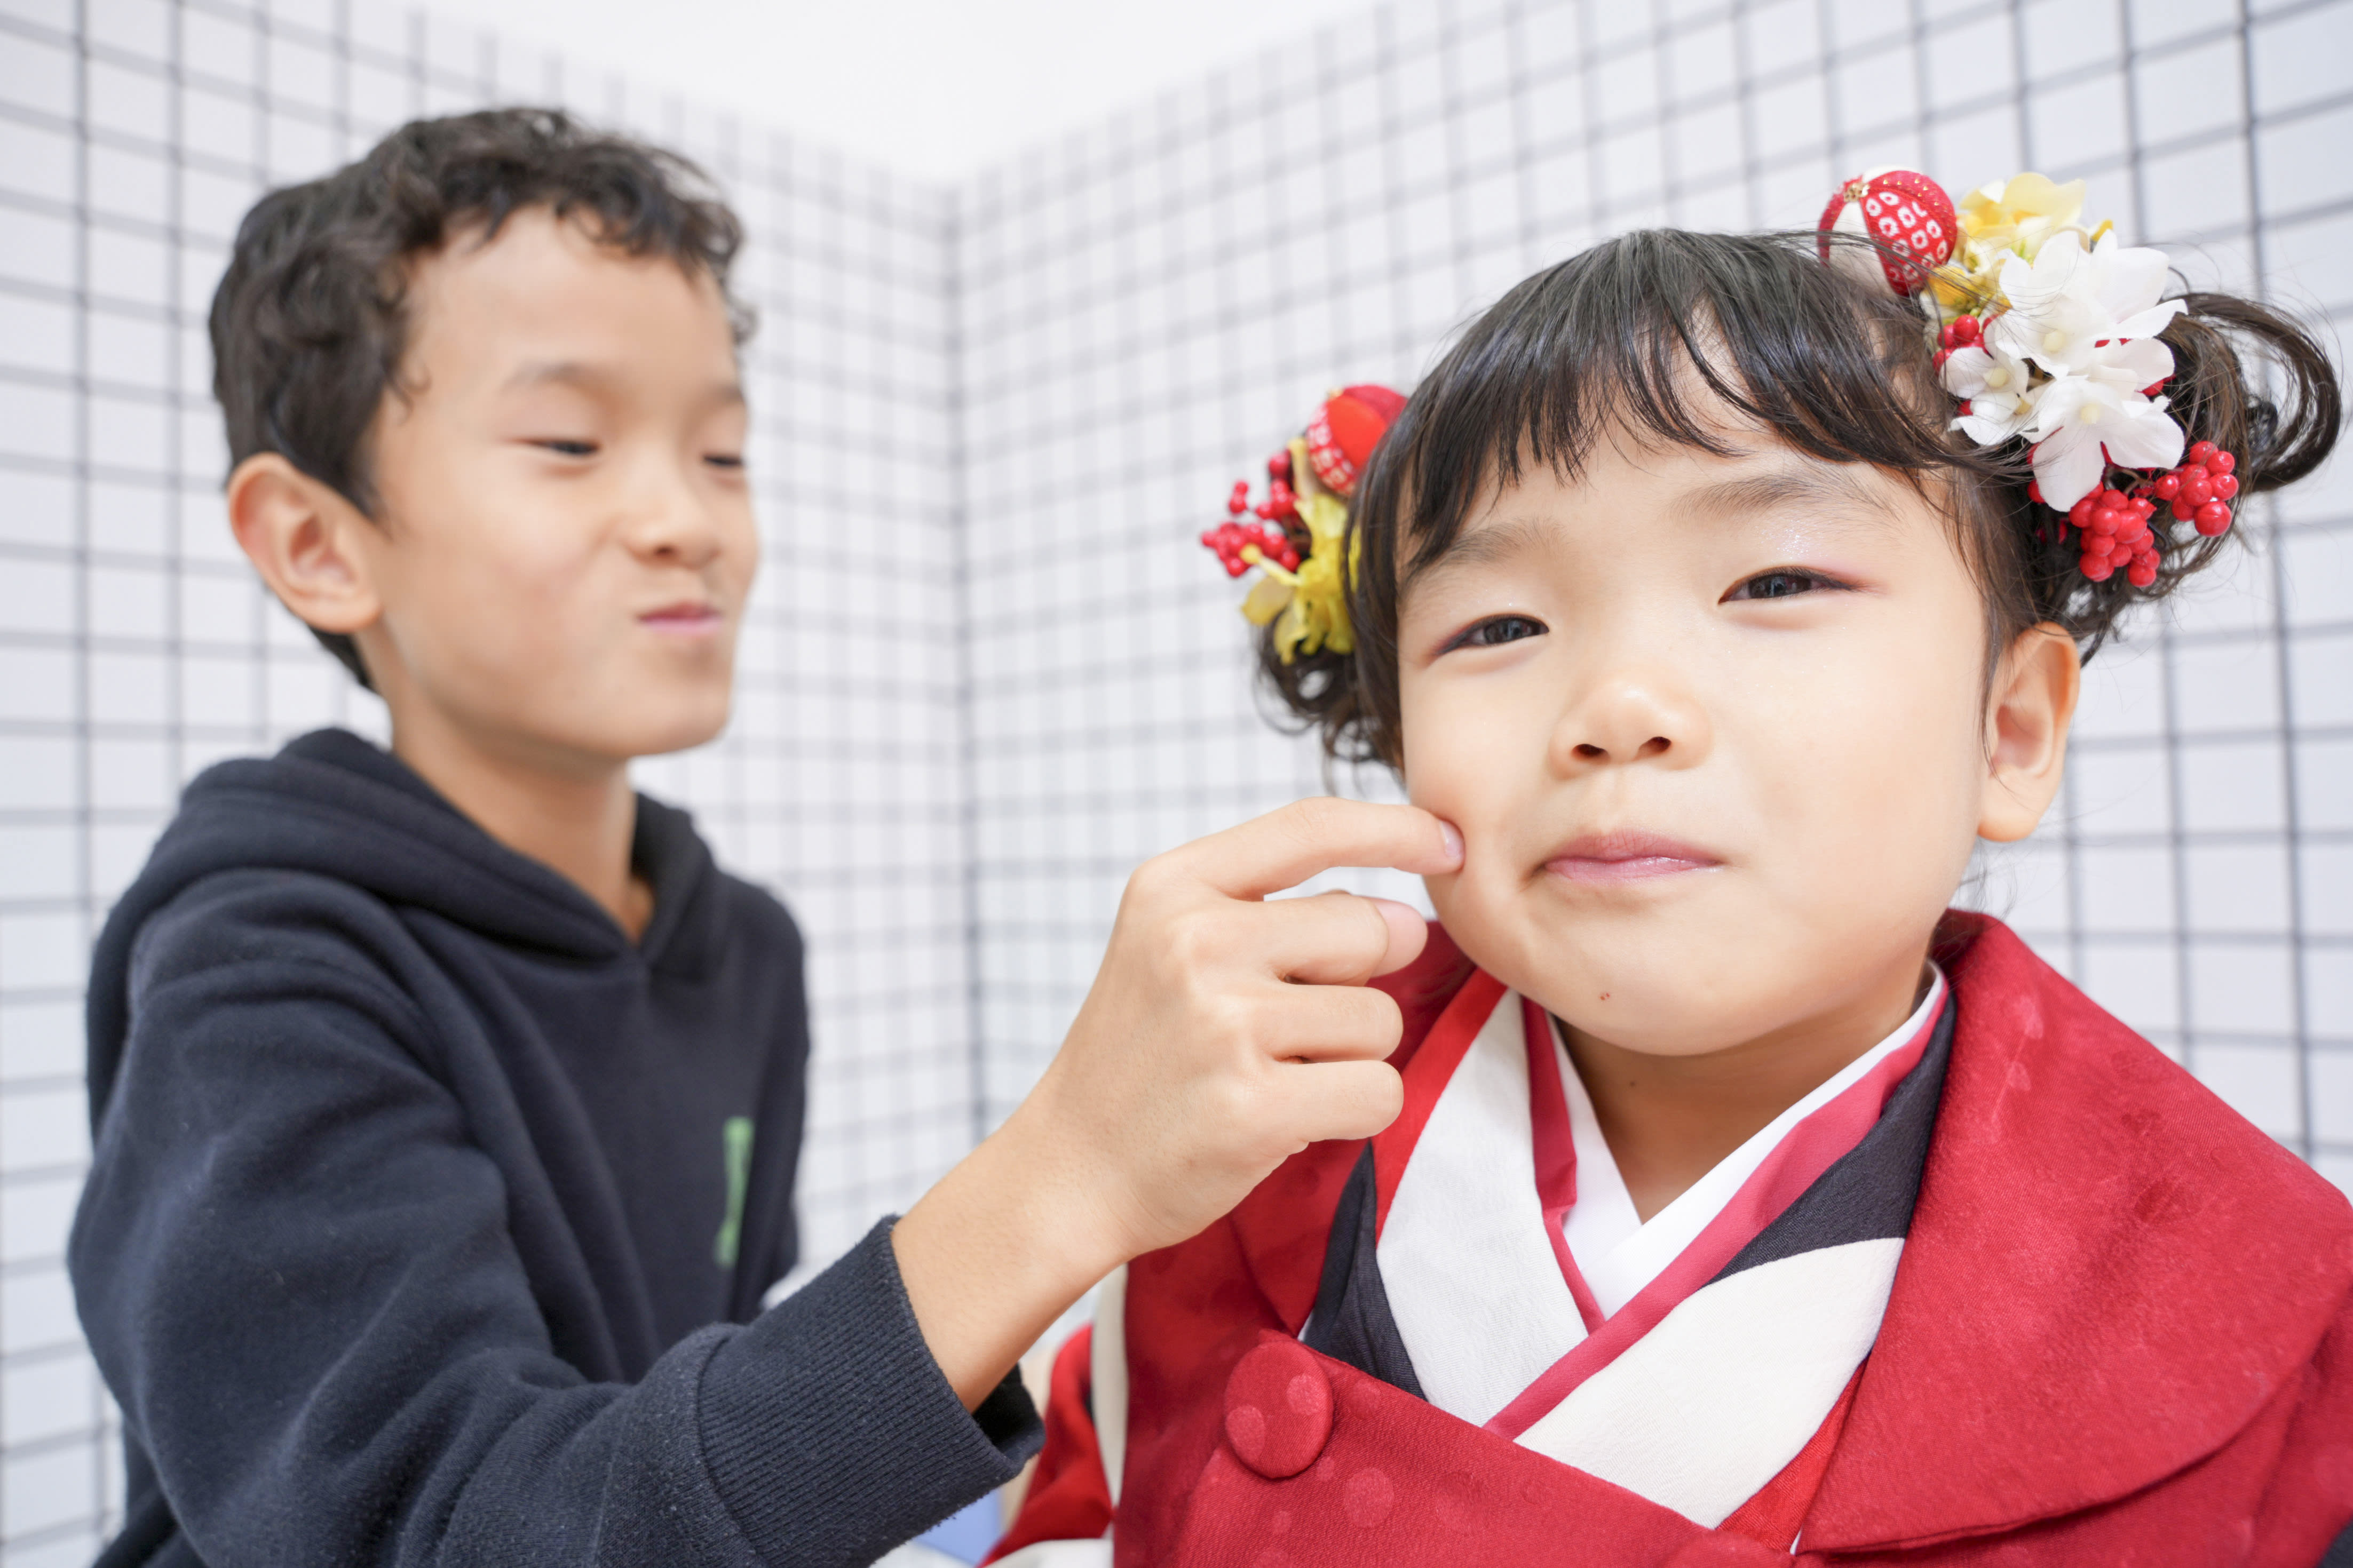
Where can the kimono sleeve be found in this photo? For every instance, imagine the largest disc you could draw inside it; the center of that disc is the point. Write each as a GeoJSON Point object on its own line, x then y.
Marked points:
{"type": "Point", "coordinates": [2306, 1516]}
{"type": "Point", "coordinates": [1067, 1512]}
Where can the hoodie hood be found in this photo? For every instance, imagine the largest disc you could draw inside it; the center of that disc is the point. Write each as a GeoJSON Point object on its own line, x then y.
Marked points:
{"type": "Point", "coordinates": [333, 805]}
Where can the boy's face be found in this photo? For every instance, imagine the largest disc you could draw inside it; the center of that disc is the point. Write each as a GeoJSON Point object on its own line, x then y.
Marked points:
{"type": "Point", "coordinates": [1715, 733]}
{"type": "Point", "coordinates": [567, 535]}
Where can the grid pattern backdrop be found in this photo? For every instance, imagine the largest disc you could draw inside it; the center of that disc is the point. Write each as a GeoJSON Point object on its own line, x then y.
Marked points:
{"type": "Point", "coordinates": [987, 669]}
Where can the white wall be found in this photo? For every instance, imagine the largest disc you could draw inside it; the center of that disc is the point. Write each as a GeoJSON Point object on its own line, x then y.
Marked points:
{"type": "Point", "coordinates": [1021, 398]}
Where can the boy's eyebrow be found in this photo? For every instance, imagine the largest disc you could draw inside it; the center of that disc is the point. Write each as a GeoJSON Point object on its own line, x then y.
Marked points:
{"type": "Point", "coordinates": [592, 377]}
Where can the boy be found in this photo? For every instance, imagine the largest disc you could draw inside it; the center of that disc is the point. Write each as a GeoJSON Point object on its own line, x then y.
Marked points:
{"type": "Point", "coordinates": [447, 1101]}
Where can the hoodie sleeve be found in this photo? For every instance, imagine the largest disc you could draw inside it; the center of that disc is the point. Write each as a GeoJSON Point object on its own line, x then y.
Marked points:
{"type": "Point", "coordinates": [295, 1272]}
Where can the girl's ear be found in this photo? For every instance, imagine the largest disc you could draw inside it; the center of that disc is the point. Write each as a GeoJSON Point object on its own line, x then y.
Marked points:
{"type": "Point", "coordinates": [2033, 700]}
{"type": "Point", "coordinates": [303, 538]}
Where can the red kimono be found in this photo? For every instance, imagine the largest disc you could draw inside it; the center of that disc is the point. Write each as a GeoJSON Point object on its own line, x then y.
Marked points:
{"type": "Point", "coordinates": [2120, 1331]}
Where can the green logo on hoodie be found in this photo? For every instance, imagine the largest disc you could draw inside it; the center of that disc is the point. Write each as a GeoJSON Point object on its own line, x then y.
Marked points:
{"type": "Point", "coordinates": [735, 1146]}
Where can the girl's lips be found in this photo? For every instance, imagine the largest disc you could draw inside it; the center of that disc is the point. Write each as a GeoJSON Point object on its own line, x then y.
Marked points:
{"type": "Point", "coordinates": [1614, 859]}
{"type": "Point", "coordinates": [683, 618]}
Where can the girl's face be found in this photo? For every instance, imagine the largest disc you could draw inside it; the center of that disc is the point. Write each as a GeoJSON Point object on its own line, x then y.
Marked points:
{"type": "Point", "coordinates": [1717, 734]}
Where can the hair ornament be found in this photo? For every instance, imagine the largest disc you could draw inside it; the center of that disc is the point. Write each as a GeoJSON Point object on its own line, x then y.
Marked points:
{"type": "Point", "coordinates": [1300, 540]}
{"type": "Point", "coordinates": [2049, 334]}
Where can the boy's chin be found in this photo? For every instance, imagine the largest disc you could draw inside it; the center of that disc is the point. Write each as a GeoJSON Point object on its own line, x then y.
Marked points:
{"type": "Point", "coordinates": [650, 724]}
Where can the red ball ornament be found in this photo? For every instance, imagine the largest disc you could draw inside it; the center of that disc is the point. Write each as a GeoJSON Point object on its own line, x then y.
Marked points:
{"type": "Point", "coordinates": [2226, 485]}
{"type": "Point", "coordinates": [2214, 518]}
{"type": "Point", "coordinates": [1346, 429]}
{"type": "Point", "coordinates": [1908, 215]}
{"type": "Point", "coordinates": [2201, 450]}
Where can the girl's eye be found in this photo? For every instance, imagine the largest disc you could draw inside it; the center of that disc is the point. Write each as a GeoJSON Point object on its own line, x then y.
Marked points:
{"type": "Point", "coordinates": [1496, 631]}
{"type": "Point", "coordinates": [563, 449]}
{"type": "Point", "coordinates": [729, 460]}
{"type": "Point", "coordinates": [1779, 585]}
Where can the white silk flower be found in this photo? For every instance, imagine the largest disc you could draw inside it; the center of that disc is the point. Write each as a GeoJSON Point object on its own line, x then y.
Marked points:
{"type": "Point", "coordinates": [1993, 383]}
{"type": "Point", "coordinates": [2083, 422]}
{"type": "Point", "coordinates": [2066, 307]}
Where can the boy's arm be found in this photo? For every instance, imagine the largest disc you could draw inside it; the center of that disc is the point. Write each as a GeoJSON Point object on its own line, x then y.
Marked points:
{"type": "Point", "coordinates": [296, 1270]}
{"type": "Point", "coordinates": [295, 1266]}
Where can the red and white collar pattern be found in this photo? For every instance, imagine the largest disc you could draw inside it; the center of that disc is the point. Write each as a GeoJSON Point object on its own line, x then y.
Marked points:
{"type": "Point", "coordinates": [1492, 1261]}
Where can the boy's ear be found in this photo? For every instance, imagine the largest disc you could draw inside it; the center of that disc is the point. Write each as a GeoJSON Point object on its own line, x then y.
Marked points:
{"type": "Point", "coordinates": [2031, 704]}
{"type": "Point", "coordinates": [303, 538]}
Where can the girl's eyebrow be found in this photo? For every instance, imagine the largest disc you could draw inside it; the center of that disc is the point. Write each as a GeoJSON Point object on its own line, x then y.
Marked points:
{"type": "Point", "coordinates": [1820, 486]}
{"type": "Point", "coordinates": [1486, 543]}
{"type": "Point", "coordinates": [1832, 491]}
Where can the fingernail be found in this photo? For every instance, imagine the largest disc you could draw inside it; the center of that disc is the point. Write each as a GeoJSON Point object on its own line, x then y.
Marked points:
{"type": "Point", "coordinates": [1451, 837]}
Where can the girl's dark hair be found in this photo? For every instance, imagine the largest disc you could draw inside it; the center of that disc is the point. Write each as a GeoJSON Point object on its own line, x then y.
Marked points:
{"type": "Point", "coordinates": [309, 323]}
{"type": "Point", "coordinates": [1661, 333]}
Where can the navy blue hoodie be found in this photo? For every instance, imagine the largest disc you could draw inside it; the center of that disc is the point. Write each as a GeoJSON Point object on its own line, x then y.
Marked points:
{"type": "Point", "coordinates": [429, 1216]}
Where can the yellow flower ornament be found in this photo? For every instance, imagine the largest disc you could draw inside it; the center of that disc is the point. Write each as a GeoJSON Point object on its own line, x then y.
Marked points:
{"type": "Point", "coordinates": [1300, 542]}
{"type": "Point", "coordinates": [2007, 217]}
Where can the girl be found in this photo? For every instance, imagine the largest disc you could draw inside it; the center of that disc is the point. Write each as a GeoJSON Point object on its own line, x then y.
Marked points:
{"type": "Point", "coordinates": [1748, 1200]}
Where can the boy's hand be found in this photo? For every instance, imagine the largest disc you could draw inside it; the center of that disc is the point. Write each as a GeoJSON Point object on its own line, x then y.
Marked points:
{"type": "Point", "coordinates": [1223, 1034]}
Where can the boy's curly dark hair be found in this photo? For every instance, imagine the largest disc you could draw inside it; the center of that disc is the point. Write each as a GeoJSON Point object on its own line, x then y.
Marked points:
{"type": "Point", "coordinates": [1660, 333]}
{"type": "Point", "coordinates": [309, 323]}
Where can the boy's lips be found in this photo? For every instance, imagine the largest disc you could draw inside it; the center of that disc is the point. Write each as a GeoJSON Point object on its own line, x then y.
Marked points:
{"type": "Point", "coordinates": [1609, 858]}
{"type": "Point", "coordinates": [688, 615]}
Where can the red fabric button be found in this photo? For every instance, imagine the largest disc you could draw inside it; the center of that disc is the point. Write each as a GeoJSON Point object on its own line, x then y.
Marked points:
{"type": "Point", "coordinates": [1278, 1409]}
{"type": "Point", "coordinates": [1721, 1549]}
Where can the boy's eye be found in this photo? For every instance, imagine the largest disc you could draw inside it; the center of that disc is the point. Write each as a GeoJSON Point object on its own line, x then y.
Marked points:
{"type": "Point", "coordinates": [1497, 630]}
{"type": "Point", "coordinates": [567, 448]}
{"type": "Point", "coordinates": [1779, 585]}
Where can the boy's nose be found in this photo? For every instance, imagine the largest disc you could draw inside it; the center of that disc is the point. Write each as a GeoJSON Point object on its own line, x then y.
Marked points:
{"type": "Point", "coordinates": [673, 524]}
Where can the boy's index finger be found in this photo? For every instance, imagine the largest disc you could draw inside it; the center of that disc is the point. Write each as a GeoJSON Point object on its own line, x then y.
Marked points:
{"type": "Point", "coordinates": [1287, 846]}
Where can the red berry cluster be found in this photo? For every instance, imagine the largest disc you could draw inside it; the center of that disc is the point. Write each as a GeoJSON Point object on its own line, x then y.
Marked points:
{"type": "Point", "coordinates": [2201, 488]}
{"type": "Point", "coordinates": [1279, 507]}
{"type": "Point", "coordinates": [2114, 523]}
{"type": "Point", "coordinates": [2117, 533]}
{"type": "Point", "coordinates": [1961, 332]}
